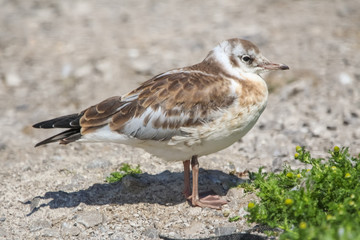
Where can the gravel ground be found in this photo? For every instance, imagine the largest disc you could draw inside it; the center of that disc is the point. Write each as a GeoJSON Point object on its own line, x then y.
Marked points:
{"type": "Point", "coordinates": [59, 57]}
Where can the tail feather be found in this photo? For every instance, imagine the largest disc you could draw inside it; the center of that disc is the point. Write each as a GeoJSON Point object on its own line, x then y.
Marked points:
{"type": "Point", "coordinates": [65, 137]}
{"type": "Point", "coordinates": [69, 121]}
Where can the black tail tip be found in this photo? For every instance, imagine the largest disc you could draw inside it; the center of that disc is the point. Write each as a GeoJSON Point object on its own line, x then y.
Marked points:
{"type": "Point", "coordinates": [36, 125]}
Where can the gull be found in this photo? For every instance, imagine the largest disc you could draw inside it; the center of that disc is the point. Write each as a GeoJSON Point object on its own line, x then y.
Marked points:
{"type": "Point", "coordinates": [181, 114]}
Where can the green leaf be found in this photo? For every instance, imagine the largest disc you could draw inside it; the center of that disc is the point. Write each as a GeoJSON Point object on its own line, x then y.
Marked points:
{"type": "Point", "coordinates": [125, 170]}
{"type": "Point", "coordinates": [234, 219]}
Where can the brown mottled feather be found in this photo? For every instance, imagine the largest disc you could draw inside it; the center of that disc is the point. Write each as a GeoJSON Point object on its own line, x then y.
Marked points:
{"type": "Point", "coordinates": [247, 45]}
{"type": "Point", "coordinates": [252, 93]}
{"type": "Point", "coordinates": [176, 93]}
{"type": "Point", "coordinates": [192, 93]}
{"type": "Point", "coordinates": [186, 92]}
{"type": "Point", "coordinates": [98, 115]}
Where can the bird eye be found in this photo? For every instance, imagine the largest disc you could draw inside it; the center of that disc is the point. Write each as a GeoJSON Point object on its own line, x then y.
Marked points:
{"type": "Point", "coordinates": [246, 58]}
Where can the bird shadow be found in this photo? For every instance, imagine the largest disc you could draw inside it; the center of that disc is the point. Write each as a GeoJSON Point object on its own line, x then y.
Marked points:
{"type": "Point", "coordinates": [164, 188]}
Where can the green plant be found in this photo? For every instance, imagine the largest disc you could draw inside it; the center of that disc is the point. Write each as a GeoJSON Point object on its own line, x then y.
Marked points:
{"type": "Point", "coordinates": [125, 170]}
{"type": "Point", "coordinates": [319, 202]}
{"type": "Point", "coordinates": [234, 219]}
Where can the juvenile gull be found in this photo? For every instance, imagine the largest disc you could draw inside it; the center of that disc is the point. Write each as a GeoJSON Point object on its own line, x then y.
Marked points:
{"type": "Point", "coordinates": [181, 114]}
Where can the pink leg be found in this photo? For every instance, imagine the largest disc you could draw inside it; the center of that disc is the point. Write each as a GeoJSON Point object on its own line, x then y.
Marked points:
{"type": "Point", "coordinates": [187, 189]}
{"type": "Point", "coordinates": [210, 201]}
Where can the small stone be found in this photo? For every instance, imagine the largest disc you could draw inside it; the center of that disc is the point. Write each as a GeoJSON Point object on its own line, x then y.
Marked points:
{"type": "Point", "coordinates": [2, 218]}
{"type": "Point", "coordinates": [331, 127]}
{"type": "Point", "coordinates": [278, 153]}
{"type": "Point", "coordinates": [133, 224]}
{"type": "Point", "coordinates": [234, 195]}
{"type": "Point", "coordinates": [2, 146]}
{"type": "Point", "coordinates": [151, 233]}
{"type": "Point", "coordinates": [66, 70]}
{"type": "Point", "coordinates": [50, 232]}
{"type": "Point", "coordinates": [356, 133]}
{"type": "Point", "coordinates": [68, 229]}
{"type": "Point", "coordinates": [83, 71]}
{"type": "Point", "coordinates": [242, 212]}
{"type": "Point", "coordinates": [194, 211]}
{"type": "Point", "coordinates": [117, 236]}
{"type": "Point", "coordinates": [195, 227]}
{"type": "Point", "coordinates": [133, 53]}
{"type": "Point", "coordinates": [141, 67]}
{"type": "Point", "coordinates": [90, 219]}
{"type": "Point", "coordinates": [345, 79]}
{"type": "Point", "coordinates": [174, 235]}
{"type": "Point", "coordinates": [2, 232]}
{"type": "Point", "coordinates": [225, 230]}
{"type": "Point", "coordinates": [34, 203]}
{"type": "Point", "coordinates": [98, 163]}
{"type": "Point", "coordinates": [226, 213]}
{"type": "Point", "coordinates": [12, 80]}
{"type": "Point", "coordinates": [105, 67]}
{"type": "Point", "coordinates": [39, 224]}
{"type": "Point", "coordinates": [317, 131]}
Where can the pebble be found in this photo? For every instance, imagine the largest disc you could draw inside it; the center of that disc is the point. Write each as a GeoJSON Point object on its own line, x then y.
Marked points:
{"type": "Point", "coordinates": [317, 130]}
{"type": "Point", "coordinates": [224, 230]}
{"type": "Point", "coordinates": [151, 233]}
{"type": "Point", "coordinates": [66, 70]}
{"type": "Point", "coordinates": [50, 232]}
{"type": "Point", "coordinates": [98, 163]}
{"type": "Point", "coordinates": [345, 79]}
{"type": "Point", "coordinates": [234, 195]}
{"type": "Point", "coordinates": [90, 219]}
{"type": "Point", "coordinates": [12, 80]}
{"type": "Point", "coordinates": [226, 212]}
{"type": "Point", "coordinates": [34, 203]}
{"type": "Point", "coordinates": [194, 211]}
{"type": "Point", "coordinates": [133, 224]}
{"type": "Point", "coordinates": [67, 229]}
{"type": "Point", "coordinates": [105, 67]}
{"type": "Point", "coordinates": [39, 224]}
{"type": "Point", "coordinates": [356, 133]}
{"type": "Point", "coordinates": [195, 227]}
{"type": "Point", "coordinates": [174, 235]}
{"type": "Point", "coordinates": [242, 212]}
{"type": "Point", "coordinates": [141, 67]}
{"type": "Point", "coordinates": [83, 71]}
{"type": "Point", "coordinates": [331, 127]}
{"type": "Point", "coordinates": [133, 53]}
{"type": "Point", "coordinates": [2, 232]}
{"type": "Point", "coordinates": [117, 236]}
{"type": "Point", "coordinates": [2, 146]}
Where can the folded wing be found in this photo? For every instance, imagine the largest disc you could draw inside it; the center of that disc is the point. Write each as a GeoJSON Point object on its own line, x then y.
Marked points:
{"type": "Point", "coordinates": [156, 110]}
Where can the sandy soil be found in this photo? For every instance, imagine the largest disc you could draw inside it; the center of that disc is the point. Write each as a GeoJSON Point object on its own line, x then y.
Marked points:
{"type": "Point", "coordinates": [59, 57]}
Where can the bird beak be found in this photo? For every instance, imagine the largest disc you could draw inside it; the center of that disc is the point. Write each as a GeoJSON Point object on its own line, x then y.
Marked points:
{"type": "Point", "coordinates": [273, 66]}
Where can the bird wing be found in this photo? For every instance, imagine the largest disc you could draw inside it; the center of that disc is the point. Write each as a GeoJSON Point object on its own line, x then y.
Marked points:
{"type": "Point", "coordinates": [162, 106]}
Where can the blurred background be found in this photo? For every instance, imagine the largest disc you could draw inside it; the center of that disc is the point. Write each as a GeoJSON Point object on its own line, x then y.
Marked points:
{"type": "Point", "coordinates": [59, 57]}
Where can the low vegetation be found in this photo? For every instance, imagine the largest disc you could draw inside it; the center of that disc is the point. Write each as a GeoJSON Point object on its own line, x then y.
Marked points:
{"type": "Point", "coordinates": [125, 170]}
{"type": "Point", "coordinates": [321, 201]}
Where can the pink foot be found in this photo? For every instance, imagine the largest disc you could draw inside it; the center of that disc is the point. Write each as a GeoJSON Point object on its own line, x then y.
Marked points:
{"type": "Point", "coordinates": [210, 201]}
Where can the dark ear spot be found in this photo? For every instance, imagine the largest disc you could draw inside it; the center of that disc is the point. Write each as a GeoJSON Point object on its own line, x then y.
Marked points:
{"type": "Point", "coordinates": [233, 61]}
